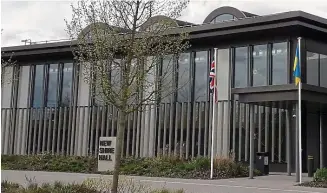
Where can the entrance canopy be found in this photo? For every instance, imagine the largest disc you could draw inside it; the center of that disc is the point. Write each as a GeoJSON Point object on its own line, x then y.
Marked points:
{"type": "Point", "coordinates": [268, 95]}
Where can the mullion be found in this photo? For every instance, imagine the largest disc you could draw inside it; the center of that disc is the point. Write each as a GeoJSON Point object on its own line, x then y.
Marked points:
{"type": "Point", "coordinates": [60, 83]}
{"type": "Point", "coordinates": [319, 69]}
{"type": "Point", "coordinates": [250, 66]}
{"type": "Point", "coordinates": [45, 85]}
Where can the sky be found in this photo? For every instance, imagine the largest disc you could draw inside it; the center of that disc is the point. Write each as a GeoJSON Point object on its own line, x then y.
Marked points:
{"type": "Point", "coordinates": [45, 20]}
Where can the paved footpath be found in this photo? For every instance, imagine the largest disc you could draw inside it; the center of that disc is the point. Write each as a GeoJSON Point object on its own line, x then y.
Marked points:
{"type": "Point", "coordinates": [274, 183]}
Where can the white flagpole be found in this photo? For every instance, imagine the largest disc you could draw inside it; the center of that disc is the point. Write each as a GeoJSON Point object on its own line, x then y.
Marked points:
{"type": "Point", "coordinates": [213, 115]}
{"type": "Point", "coordinates": [300, 122]}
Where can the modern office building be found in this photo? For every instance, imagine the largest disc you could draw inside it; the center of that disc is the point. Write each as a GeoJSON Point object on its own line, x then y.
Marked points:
{"type": "Point", "coordinates": [48, 107]}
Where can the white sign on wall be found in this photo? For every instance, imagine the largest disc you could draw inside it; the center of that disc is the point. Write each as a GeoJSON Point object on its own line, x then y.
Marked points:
{"type": "Point", "coordinates": [106, 156]}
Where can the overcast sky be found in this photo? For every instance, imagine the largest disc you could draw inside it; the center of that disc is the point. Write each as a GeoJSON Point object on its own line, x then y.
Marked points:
{"type": "Point", "coordinates": [44, 20]}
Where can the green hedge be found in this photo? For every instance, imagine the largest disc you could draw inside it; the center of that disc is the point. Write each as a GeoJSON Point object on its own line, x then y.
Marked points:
{"type": "Point", "coordinates": [48, 162]}
{"type": "Point", "coordinates": [156, 167]}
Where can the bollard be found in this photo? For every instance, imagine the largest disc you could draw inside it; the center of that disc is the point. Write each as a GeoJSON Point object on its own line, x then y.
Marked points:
{"type": "Point", "coordinates": [310, 166]}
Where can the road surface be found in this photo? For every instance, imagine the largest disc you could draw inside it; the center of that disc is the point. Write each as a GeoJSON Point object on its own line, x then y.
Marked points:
{"type": "Point", "coordinates": [275, 183]}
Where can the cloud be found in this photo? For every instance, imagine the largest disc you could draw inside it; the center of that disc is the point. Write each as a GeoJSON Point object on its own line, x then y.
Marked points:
{"type": "Point", "coordinates": [44, 20]}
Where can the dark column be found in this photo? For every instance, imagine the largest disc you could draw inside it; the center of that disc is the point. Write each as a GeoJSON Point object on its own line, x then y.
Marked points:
{"type": "Point", "coordinates": [324, 134]}
{"type": "Point", "coordinates": [293, 137]}
{"type": "Point", "coordinates": [312, 120]}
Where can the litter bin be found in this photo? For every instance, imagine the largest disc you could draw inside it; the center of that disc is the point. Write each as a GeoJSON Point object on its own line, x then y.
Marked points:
{"type": "Point", "coordinates": [262, 163]}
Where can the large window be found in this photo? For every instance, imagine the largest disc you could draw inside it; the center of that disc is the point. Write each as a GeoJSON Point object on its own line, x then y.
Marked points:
{"type": "Point", "coordinates": [38, 96]}
{"type": "Point", "coordinates": [279, 63]}
{"type": "Point", "coordinates": [166, 73]}
{"type": "Point", "coordinates": [183, 92]}
{"type": "Point", "coordinates": [313, 68]}
{"type": "Point", "coordinates": [259, 72]}
{"type": "Point", "coordinates": [323, 70]}
{"type": "Point", "coordinates": [67, 84]}
{"type": "Point", "coordinates": [201, 76]}
{"type": "Point", "coordinates": [223, 17]}
{"type": "Point", "coordinates": [316, 69]}
{"type": "Point", "coordinates": [241, 67]}
{"type": "Point", "coordinates": [52, 85]}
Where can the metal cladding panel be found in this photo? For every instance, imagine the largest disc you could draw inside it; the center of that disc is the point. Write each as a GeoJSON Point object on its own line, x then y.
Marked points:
{"type": "Point", "coordinates": [83, 88]}
{"type": "Point", "coordinates": [23, 90]}
{"type": "Point", "coordinates": [6, 93]}
{"type": "Point", "coordinates": [223, 74]}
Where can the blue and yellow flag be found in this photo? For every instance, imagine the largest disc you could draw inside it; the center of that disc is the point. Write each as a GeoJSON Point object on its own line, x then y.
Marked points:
{"type": "Point", "coordinates": [296, 67]}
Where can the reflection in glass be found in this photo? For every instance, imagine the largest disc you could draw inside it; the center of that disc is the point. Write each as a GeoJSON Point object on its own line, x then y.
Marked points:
{"type": "Point", "coordinates": [241, 67]}
{"type": "Point", "coordinates": [67, 83]}
{"type": "Point", "coordinates": [259, 65]}
{"type": "Point", "coordinates": [323, 70]}
{"type": "Point", "coordinates": [115, 73]}
{"type": "Point", "coordinates": [313, 68]}
{"type": "Point", "coordinates": [223, 17]}
{"type": "Point", "coordinates": [52, 85]}
{"type": "Point", "coordinates": [279, 63]}
{"type": "Point", "coordinates": [166, 73]}
{"type": "Point", "coordinates": [38, 86]}
{"type": "Point", "coordinates": [201, 76]}
{"type": "Point", "coordinates": [183, 93]}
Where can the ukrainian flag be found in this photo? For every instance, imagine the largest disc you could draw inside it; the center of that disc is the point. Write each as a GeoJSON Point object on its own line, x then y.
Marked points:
{"type": "Point", "coordinates": [296, 67]}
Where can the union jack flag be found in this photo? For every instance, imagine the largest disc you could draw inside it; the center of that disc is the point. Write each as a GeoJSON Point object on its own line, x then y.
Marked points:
{"type": "Point", "coordinates": [212, 78]}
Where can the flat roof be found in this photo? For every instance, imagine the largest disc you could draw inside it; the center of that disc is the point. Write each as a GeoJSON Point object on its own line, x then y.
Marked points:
{"type": "Point", "coordinates": [302, 18]}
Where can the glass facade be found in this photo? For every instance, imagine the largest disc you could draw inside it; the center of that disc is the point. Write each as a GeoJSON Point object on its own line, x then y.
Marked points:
{"type": "Point", "coordinates": [67, 84]}
{"type": "Point", "coordinates": [260, 66]}
{"type": "Point", "coordinates": [279, 63]}
{"type": "Point", "coordinates": [268, 65]}
{"type": "Point", "coordinates": [185, 78]}
{"type": "Point", "coordinates": [323, 70]}
{"type": "Point", "coordinates": [316, 69]}
{"type": "Point", "coordinates": [52, 85]}
{"type": "Point", "coordinates": [223, 17]}
{"type": "Point", "coordinates": [312, 68]}
{"type": "Point", "coordinates": [38, 95]}
{"type": "Point", "coordinates": [241, 67]}
{"type": "Point", "coordinates": [183, 92]}
{"type": "Point", "coordinates": [166, 72]}
{"type": "Point", "coordinates": [201, 76]}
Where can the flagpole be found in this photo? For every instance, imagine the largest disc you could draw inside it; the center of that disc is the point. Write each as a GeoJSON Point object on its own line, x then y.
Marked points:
{"type": "Point", "coordinates": [213, 116]}
{"type": "Point", "coordinates": [300, 110]}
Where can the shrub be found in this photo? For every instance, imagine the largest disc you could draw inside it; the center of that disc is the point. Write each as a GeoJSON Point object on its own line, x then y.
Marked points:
{"type": "Point", "coordinates": [320, 175]}
{"type": "Point", "coordinates": [49, 162]}
{"type": "Point", "coordinates": [162, 166]}
{"type": "Point", "coordinates": [88, 186]}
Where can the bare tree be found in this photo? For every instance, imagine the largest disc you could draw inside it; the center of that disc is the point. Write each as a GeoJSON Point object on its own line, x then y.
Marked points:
{"type": "Point", "coordinates": [5, 72]}
{"type": "Point", "coordinates": [121, 50]}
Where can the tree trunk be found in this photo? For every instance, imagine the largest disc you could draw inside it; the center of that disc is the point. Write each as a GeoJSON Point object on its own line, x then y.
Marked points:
{"type": "Point", "coordinates": [119, 144]}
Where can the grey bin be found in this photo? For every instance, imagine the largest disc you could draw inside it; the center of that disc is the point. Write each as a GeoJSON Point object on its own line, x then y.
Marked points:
{"type": "Point", "coordinates": [262, 162]}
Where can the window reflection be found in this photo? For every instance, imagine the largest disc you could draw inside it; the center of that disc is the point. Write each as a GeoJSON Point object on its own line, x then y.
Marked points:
{"type": "Point", "coordinates": [38, 86]}
{"type": "Point", "coordinates": [223, 17]}
{"type": "Point", "coordinates": [201, 76]}
{"type": "Point", "coordinates": [166, 73]}
{"type": "Point", "coordinates": [312, 68]}
{"type": "Point", "coordinates": [67, 84]}
{"type": "Point", "coordinates": [259, 72]}
{"type": "Point", "coordinates": [241, 67]}
{"type": "Point", "coordinates": [279, 63]}
{"type": "Point", "coordinates": [183, 92]}
{"type": "Point", "coordinates": [323, 70]}
{"type": "Point", "coordinates": [52, 85]}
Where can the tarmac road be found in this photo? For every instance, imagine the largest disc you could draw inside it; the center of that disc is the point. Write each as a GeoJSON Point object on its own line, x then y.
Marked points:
{"type": "Point", "coordinates": [266, 184]}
